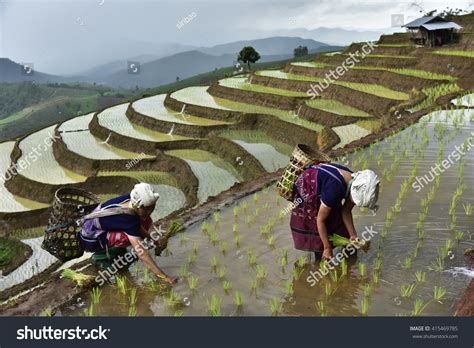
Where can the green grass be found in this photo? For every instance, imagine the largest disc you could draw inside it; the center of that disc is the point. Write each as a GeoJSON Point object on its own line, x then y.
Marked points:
{"type": "Point", "coordinates": [243, 83]}
{"type": "Point", "coordinates": [336, 107]}
{"type": "Point", "coordinates": [427, 75]}
{"type": "Point", "coordinates": [12, 253]}
{"type": "Point", "coordinates": [469, 54]}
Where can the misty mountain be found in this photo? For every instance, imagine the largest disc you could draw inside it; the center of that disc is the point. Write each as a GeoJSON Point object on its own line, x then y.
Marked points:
{"type": "Point", "coordinates": [14, 72]}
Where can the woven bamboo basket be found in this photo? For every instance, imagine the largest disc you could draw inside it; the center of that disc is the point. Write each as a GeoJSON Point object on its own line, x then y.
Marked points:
{"type": "Point", "coordinates": [302, 156]}
{"type": "Point", "coordinates": [60, 237]}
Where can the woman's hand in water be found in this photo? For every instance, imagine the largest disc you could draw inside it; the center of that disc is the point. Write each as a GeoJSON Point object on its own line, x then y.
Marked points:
{"type": "Point", "coordinates": [327, 254]}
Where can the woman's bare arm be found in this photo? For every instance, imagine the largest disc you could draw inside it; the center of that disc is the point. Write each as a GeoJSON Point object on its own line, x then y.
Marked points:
{"type": "Point", "coordinates": [348, 219]}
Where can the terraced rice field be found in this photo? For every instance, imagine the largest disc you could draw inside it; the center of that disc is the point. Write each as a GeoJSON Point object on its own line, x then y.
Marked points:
{"type": "Point", "coordinates": [244, 84]}
{"type": "Point", "coordinates": [311, 64]}
{"type": "Point", "coordinates": [272, 154]}
{"type": "Point", "coordinates": [213, 173]}
{"type": "Point", "coordinates": [9, 202]}
{"type": "Point", "coordinates": [427, 75]}
{"type": "Point", "coordinates": [154, 107]}
{"type": "Point", "coordinates": [433, 93]}
{"type": "Point", "coordinates": [115, 119]}
{"type": "Point", "coordinates": [349, 133]}
{"type": "Point", "coordinates": [377, 90]}
{"type": "Point", "coordinates": [200, 96]}
{"type": "Point", "coordinates": [467, 100]}
{"type": "Point", "coordinates": [336, 107]}
{"type": "Point", "coordinates": [77, 137]}
{"type": "Point", "coordinates": [40, 164]}
{"type": "Point", "coordinates": [469, 54]}
{"type": "Point", "coordinates": [171, 198]}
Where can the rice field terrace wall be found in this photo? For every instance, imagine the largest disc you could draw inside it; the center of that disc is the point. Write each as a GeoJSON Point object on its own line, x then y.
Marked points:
{"type": "Point", "coordinates": [256, 98]}
{"type": "Point", "coordinates": [191, 130]}
{"type": "Point", "coordinates": [327, 118]}
{"type": "Point", "coordinates": [388, 79]}
{"type": "Point", "coordinates": [388, 62]}
{"type": "Point", "coordinates": [460, 67]}
{"type": "Point", "coordinates": [203, 111]}
{"type": "Point", "coordinates": [25, 219]}
{"type": "Point", "coordinates": [396, 38]}
{"type": "Point", "coordinates": [373, 105]}
{"type": "Point", "coordinates": [403, 49]}
{"type": "Point", "coordinates": [136, 145]}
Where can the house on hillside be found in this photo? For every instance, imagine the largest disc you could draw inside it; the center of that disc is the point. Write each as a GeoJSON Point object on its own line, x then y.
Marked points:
{"type": "Point", "coordinates": [432, 31]}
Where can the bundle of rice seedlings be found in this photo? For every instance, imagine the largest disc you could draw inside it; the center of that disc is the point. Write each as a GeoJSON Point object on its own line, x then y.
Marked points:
{"type": "Point", "coordinates": [420, 276]}
{"type": "Point", "coordinates": [216, 217]}
{"type": "Point", "coordinates": [261, 272]}
{"type": "Point", "coordinates": [95, 295]}
{"type": "Point", "coordinates": [192, 282]}
{"type": "Point", "coordinates": [418, 307]}
{"type": "Point", "coordinates": [133, 296]}
{"type": "Point", "coordinates": [361, 269]}
{"type": "Point", "coordinates": [364, 306]}
{"type": "Point", "coordinates": [407, 263]}
{"type": "Point", "coordinates": [223, 247]}
{"type": "Point", "coordinates": [289, 288]}
{"type": "Point", "coordinates": [214, 262]}
{"type": "Point", "coordinates": [275, 306]}
{"type": "Point", "coordinates": [237, 240]}
{"type": "Point", "coordinates": [238, 299]}
{"type": "Point", "coordinates": [439, 294]}
{"type": "Point", "coordinates": [320, 307]}
{"type": "Point", "coordinates": [80, 279]}
{"type": "Point", "coordinates": [284, 257]}
{"type": "Point", "coordinates": [214, 306]}
{"type": "Point", "coordinates": [407, 290]}
{"type": "Point", "coordinates": [222, 272]}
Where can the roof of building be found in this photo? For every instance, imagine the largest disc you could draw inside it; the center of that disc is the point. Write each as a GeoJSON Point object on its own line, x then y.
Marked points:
{"type": "Point", "coordinates": [441, 25]}
{"type": "Point", "coordinates": [424, 20]}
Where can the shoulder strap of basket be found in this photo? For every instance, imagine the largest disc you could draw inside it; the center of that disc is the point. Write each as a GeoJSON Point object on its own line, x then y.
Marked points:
{"type": "Point", "coordinates": [109, 212]}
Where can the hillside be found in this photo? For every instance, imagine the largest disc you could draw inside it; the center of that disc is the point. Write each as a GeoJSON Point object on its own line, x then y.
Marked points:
{"type": "Point", "coordinates": [14, 72]}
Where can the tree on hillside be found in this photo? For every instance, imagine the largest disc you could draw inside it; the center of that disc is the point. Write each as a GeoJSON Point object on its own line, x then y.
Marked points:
{"type": "Point", "coordinates": [248, 55]}
{"type": "Point", "coordinates": [300, 51]}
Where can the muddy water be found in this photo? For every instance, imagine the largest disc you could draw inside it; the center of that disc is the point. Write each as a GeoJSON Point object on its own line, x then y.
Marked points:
{"type": "Point", "coordinates": [400, 242]}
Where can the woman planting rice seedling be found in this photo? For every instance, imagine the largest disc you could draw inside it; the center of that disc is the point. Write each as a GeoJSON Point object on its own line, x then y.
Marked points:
{"type": "Point", "coordinates": [328, 193]}
{"type": "Point", "coordinates": [109, 235]}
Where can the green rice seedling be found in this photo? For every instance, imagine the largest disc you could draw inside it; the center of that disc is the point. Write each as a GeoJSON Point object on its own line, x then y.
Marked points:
{"type": "Point", "coordinates": [173, 299]}
{"type": "Point", "coordinates": [133, 296]}
{"type": "Point", "coordinates": [214, 238]}
{"type": "Point", "coordinates": [191, 259]}
{"type": "Point", "coordinates": [301, 261]}
{"type": "Point", "coordinates": [216, 217]}
{"type": "Point", "coordinates": [146, 276]}
{"type": "Point", "coordinates": [297, 272]}
{"type": "Point", "coordinates": [420, 276]}
{"type": "Point", "coordinates": [284, 257]}
{"type": "Point", "coordinates": [367, 290]}
{"type": "Point", "coordinates": [406, 290]}
{"type": "Point", "coordinates": [121, 284]}
{"type": "Point", "coordinates": [48, 312]}
{"type": "Point", "coordinates": [214, 262]}
{"type": "Point", "coordinates": [271, 241]}
{"type": "Point", "coordinates": [321, 308]}
{"type": "Point", "coordinates": [238, 299]}
{"type": "Point", "coordinates": [344, 267]}
{"type": "Point", "coordinates": [361, 269]}
{"type": "Point", "coordinates": [323, 267]}
{"type": "Point", "coordinates": [178, 313]}
{"type": "Point", "coordinates": [236, 211]}
{"type": "Point", "coordinates": [266, 207]}
{"type": "Point", "coordinates": [251, 258]}
{"type": "Point", "coordinates": [328, 289]}
{"type": "Point", "coordinates": [467, 208]}
{"type": "Point", "coordinates": [249, 220]}
{"type": "Point", "coordinates": [226, 285]}
{"type": "Point", "coordinates": [448, 244]}
{"type": "Point", "coordinates": [418, 307]}
{"type": "Point", "coordinates": [338, 240]}
{"type": "Point", "coordinates": [244, 205]}
{"type": "Point", "coordinates": [223, 247]}
{"type": "Point", "coordinates": [195, 248]}
{"type": "Point", "coordinates": [95, 295]}
{"type": "Point", "coordinates": [281, 215]}
{"type": "Point", "coordinates": [275, 306]}
{"type": "Point", "coordinates": [407, 263]}
{"type": "Point", "coordinates": [182, 238]}
{"type": "Point", "coordinates": [136, 268]}
{"type": "Point", "coordinates": [132, 311]}
{"type": "Point", "coordinates": [222, 272]}
{"type": "Point", "coordinates": [89, 311]}
{"type": "Point", "coordinates": [214, 306]}
{"type": "Point", "coordinates": [437, 265]}
{"type": "Point", "coordinates": [289, 289]}
{"type": "Point", "coordinates": [183, 271]}
{"type": "Point", "coordinates": [235, 227]}
{"type": "Point", "coordinates": [459, 235]}
{"type": "Point", "coordinates": [205, 227]}
{"type": "Point", "coordinates": [421, 234]}
{"type": "Point", "coordinates": [80, 279]}
{"type": "Point", "coordinates": [257, 212]}
{"type": "Point", "coordinates": [237, 240]}
{"type": "Point", "coordinates": [253, 284]}
{"type": "Point", "coordinates": [261, 272]}
{"type": "Point", "coordinates": [192, 282]}
{"type": "Point", "coordinates": [266, 191]}
{"type": "Point", "coordinates": [264, 230]}
{"type": "Point", "coordinates": [376, 277]}
{"type": "Point", "coordinates": [377, 264]}
{"type": "Point", "coordinates": [439, 293]}
{"type": "Point", "coordinates": [255, 198]}
{"type": "Point", "coordinates": [364, 306]}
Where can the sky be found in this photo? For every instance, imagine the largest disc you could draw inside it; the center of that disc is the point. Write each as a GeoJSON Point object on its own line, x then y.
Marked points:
{"type": "Point", "coordinates": [64, 37]}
